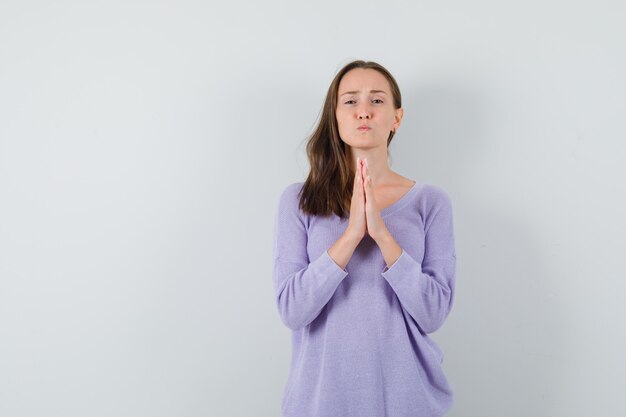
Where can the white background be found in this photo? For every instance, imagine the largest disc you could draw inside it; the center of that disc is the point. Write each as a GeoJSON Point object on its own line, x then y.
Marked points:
{"type": "Point", "coordinates": [143, 147]}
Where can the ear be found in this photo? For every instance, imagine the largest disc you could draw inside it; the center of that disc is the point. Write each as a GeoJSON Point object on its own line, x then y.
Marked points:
{"type": "Point", "coordinates": [398, 118]}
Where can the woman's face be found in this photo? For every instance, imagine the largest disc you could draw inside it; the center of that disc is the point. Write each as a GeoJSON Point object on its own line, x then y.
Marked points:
{"type": "Point", "coordinates": [365, 99]}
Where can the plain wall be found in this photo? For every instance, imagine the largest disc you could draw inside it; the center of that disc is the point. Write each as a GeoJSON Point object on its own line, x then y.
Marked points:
{"type": "Point", "coordinates": [144, 145]}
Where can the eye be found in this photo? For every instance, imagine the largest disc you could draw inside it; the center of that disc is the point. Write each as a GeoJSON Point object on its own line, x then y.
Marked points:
{"type": "Point", "coordinates": [349, 101]}
{"type": "Point", "coordinates": [377, 99]}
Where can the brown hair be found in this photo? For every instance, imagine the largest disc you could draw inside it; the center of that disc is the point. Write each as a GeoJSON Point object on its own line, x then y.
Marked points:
{"type": "Point", "coordinates": [328, 187]}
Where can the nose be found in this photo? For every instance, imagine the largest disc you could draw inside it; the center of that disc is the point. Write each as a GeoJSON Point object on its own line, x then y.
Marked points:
{"type": "Point", "coordinates": [364, 114]}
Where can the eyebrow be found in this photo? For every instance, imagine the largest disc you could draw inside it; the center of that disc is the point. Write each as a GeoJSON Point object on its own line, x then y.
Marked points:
{"type": "Point", "coordinates": [354, 92]}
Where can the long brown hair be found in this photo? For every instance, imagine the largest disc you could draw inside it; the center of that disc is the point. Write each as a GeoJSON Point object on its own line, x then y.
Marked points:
{"type": "Point", "coordinates": [328, 187]}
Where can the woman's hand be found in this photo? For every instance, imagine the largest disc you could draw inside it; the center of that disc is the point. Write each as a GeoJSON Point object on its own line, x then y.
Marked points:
{"type": "Point", "coordinates": [357, 226]}
{"type": "Point", "coordinates": [375, 225]}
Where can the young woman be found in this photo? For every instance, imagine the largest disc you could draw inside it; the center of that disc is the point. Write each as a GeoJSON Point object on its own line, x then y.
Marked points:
{"type": "Point", "coordinates": [364, 265]}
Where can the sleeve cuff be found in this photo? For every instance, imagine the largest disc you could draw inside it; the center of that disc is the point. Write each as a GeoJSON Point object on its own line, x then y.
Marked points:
{"type": "Point", "coordinates": [405, 266]}
{"type": "Point", "coordinates": [329, 267]}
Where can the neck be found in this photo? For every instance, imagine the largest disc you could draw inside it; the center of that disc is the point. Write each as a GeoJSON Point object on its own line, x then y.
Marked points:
{"type": "Point", "coordinates": [377, 164]}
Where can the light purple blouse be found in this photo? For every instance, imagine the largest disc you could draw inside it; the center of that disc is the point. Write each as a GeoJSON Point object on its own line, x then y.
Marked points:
{"type": "Point", "coordinates": [360, 344]}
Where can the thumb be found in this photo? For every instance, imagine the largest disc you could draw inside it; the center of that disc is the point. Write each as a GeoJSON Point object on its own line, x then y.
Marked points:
{"type": "Point", "coordinates": [367, 189]}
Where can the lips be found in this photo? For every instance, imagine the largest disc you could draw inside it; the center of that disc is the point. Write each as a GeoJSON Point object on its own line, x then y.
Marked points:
{"type": "Point", "coordinates": [364, 127]}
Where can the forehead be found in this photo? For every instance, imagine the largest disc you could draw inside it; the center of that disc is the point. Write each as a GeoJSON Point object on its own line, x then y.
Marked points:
{"type": "Point", "coordinates": [363, 79]}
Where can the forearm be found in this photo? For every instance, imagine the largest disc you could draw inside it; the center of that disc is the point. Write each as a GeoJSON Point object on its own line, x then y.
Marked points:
{"type": "Point", "coordinates": [389, 248]}
{"type": "Point", "coordinates": [341, 251]}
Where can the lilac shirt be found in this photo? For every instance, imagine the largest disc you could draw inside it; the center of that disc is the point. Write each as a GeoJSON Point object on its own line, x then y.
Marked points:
{"type": "Point", "coordinates": [360, 344]}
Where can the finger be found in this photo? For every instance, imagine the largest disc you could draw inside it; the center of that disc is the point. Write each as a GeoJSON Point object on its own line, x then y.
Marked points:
{"type": "Point", "coordinates": [369, 189]}
{"type": "Point", "coordinates": [364, 187]}
{"type": "Point", "coordinates": [362, 178]}
{"type": "Point", "coordinates": [363, 171]}
{"type": "Point", "coordinates": [357, 192]}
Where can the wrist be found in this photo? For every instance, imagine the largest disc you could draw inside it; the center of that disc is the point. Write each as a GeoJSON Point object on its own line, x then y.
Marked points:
{"type": "Point", "coordinates": [383, 237]}
{"type": "Point", "coordinates": [352, 237]}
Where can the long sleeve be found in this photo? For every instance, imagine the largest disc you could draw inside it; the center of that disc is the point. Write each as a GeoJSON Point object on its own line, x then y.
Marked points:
{"type": "Point", "coordinates": [302, 288]}
{"type": "Point", "coordinates": [426, 289]}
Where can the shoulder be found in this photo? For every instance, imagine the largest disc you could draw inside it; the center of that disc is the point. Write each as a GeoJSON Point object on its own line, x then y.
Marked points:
{"type": "Point", "coordinates": [293, 188]}
{"type": "Point", "coordinates": [433, 200]}
{"type": "Point", "coordinates": [435, 195]}
{"type": "Point", "coordinates": [291, 192]}
{"type": "Point", "coordinates": [435, 208]}
{"type": "Point", "coordinates": [289, 199]}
